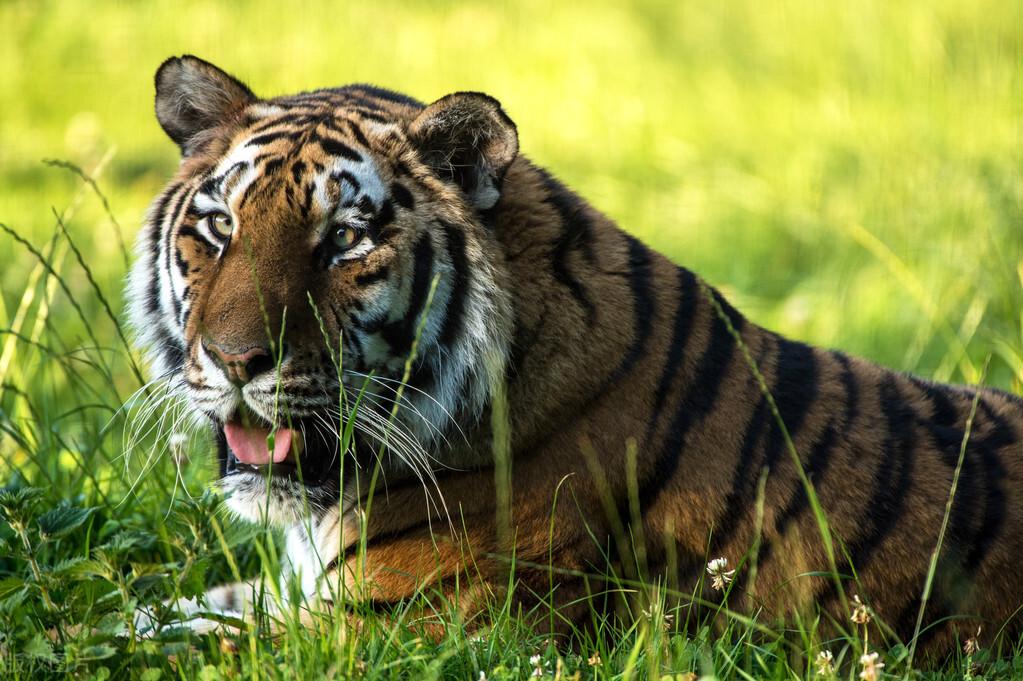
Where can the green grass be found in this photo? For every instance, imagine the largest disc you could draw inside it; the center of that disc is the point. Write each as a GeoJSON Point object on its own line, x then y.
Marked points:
{"type": "Point", "coordinates": [848, 173]}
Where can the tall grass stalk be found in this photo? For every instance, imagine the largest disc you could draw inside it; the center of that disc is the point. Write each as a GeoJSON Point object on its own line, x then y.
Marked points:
{"type": "Point", "coordinates": [932, 567]}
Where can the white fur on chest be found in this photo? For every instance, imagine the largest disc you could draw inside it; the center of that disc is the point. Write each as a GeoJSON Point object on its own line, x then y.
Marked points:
{"type": "Point", "coordinates": [311, 546]}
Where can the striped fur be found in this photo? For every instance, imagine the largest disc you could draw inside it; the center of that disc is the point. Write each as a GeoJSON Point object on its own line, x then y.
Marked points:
{"type": "Point", "coordinates": [600, 344]}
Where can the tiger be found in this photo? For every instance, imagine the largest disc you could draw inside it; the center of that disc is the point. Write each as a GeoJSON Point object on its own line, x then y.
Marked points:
{"type": "Point", "coordinates": [535, 394]}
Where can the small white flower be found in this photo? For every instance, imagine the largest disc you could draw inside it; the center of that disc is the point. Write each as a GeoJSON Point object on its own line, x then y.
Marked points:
{"type": "Point", "coordinates": [860, 614]}
{"type": "Point", "coordinates": [825, 663]}
{"type": "Point", "coordinates": [972, 644]}
{"type": "Point", "coordinates": [483, 676]}
{"type": "Point", "coordinates": [871, 667]}
{"type": "Point", "coordinates": [539, 666]}
{"type": "Point", "coordinates": [721, 576]}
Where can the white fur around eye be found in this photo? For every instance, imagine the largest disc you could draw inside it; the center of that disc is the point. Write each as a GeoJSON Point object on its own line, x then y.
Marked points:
{"type": "Point", "coordinates": [359, 250]}
{"type": "Point", "coordinates": [207, 204]}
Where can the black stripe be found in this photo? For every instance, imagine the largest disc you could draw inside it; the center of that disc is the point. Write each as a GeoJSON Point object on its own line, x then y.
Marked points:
{"type": "Point", "coordinates": [640, 274]}
{"type": "Point", "coordinates": [209, 186]}
{"type": "Point", "coordinates": [169, 246]}
{"type": "Point", "coordinates": [338, 148]}
{"type": "Point", "coordinates": [307, 199]}
{"type": "Point", "coordinates": [370, 115]}
{"type": "Point", "coordinates": [247, 193]}
{"type": "Point", "coordinates": [736, 504]}
{"type": "Point", "coordinates": [361, 100]}
{"type": "Point", "coordinates": [292, 119]}
{"type": "Point", "coordinates": [367, 278]}
{"type": "Point", "coordinates": [795, 391]}
{"type": "Point", "coordinates": [357, 134]}
{"type": "Point", "coordinates": [271, 137]}
{"type": "Point", "coordinates": [185, 311]}
{"type": "Point", "coordinates": [384, 216]}
{"type": "Point", "coordinates": [155, 229]}
{"type": "Point", "coordinates": [256, 160]}
{"type": "Point", "coordinates": [273, 165]}
{"type": "Point", "coordinates": [945, 413]}
{"type": "Point", "coordinates": [524, 341]}
{"type": "Point", "coordinates": [365, 205]}
{"type": "Point", "coordinates": [297, 168]}
{"type": "Point", "coordinates": [576, 233]}
{"type": "Point", "coordinates": [892, 478]}
{"type": "Point", "coordinates": [424, 377]}
{"type": "Point", "coordinates": [230, 172]}
{"type": "Point", "coordinates": [170, 347]}
{"type": "Point", "coordinates": [373, 324]}
{"type": "Point", "coordinates": [1000, 435]}
{"type": "Point", "coordinates": [191, 232]}
{"type": "Point", "coordinates": [455, 312]}
{"type": "Point", "coordinates": [381, 93]}
{"type": "Point", "coordinates": [939, 609]}
{"type": "Point", "coordinates": [346, 176]}
{"type": "Point", "coordinates": [402, 196]}
{"type": "Point", "coordinates": [348, 338]}
{"type": "Point", "coordinates": [698, 400]}
{"type": "Point", "coordinates": [400, 334]}
{"type": "Point", "coordinates": [820, 456]}
{"type": "Point", "coordinates": [682, 329]}
{"type": "Point", "coordinates": [946, 437]}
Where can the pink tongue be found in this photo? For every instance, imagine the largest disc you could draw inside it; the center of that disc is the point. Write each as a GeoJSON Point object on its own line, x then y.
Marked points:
{"type": "Point", "coordinates": [249, 444]}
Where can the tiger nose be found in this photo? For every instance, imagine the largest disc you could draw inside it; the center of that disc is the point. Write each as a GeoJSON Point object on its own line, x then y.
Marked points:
{"type": "Point", "coordinates": [241, 367]}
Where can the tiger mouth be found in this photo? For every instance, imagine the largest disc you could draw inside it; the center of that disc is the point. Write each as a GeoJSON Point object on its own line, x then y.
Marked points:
{"type": "Point", "coordinates": [309, 456]}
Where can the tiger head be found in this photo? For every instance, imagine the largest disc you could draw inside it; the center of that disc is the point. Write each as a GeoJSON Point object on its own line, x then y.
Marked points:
{"type": "Point", "coordinates": [316, 251]}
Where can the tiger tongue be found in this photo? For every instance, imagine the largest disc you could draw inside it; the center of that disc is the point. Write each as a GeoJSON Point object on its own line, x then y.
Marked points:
{"type": "Point", "coordinates": [249, 444]}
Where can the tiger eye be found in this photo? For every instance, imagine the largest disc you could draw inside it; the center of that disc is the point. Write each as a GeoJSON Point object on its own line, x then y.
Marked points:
{"type": "Point", "coordinates": [347, 236]}
{"type": "Point", "coordinates": [220, 224]}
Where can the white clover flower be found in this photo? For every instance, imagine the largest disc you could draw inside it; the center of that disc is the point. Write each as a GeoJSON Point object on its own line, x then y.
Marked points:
{"type": "Point", "coordinates": [825, 663]}
{"type": "Point", "coordinates": [871, 667]}
{"type": "Point", "coordinates": [540, 667]}
{"type": "Point", "coordinates": [860, 614]}
{"type": "Point", "coordinates": [972, 644]}
{"type": "Point", "coordinates": [721, 576]}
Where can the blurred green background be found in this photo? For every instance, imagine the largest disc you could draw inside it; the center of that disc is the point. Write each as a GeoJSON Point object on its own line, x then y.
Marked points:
{"type": "Point", "coordinates": [850, 173]}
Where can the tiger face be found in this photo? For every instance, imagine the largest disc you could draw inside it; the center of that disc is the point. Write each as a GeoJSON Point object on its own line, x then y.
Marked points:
{"type": "Point", "coordinates": [318, 251]}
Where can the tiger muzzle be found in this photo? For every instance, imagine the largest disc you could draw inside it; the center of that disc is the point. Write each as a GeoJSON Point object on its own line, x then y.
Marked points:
{"type": "Point", "coordinates": [240, 367]}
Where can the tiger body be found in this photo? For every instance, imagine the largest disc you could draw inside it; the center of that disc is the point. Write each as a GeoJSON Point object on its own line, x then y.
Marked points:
{"type": "Point", "coordinates": [633, 414]}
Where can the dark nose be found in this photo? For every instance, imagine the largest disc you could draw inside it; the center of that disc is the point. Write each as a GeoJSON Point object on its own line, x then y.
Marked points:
{"type": "Point", "coordinates": [241, 367]}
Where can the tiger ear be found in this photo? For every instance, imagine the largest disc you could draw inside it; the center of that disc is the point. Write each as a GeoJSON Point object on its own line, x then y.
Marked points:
{"type": "Point", "coordinates": [467, 139]}
{"type": "Point", "coordinates": [193, 96]}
